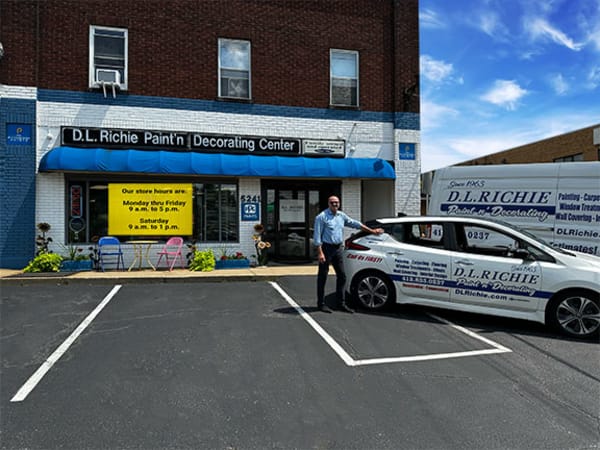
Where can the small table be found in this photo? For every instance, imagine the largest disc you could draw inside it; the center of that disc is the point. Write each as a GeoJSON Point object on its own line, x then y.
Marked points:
{"type": "Point", "coordinates": [139, 255]}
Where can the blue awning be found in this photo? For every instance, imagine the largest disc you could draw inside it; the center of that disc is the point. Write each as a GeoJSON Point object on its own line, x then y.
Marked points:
{"type": "Point", "coordinates": [73, 159]}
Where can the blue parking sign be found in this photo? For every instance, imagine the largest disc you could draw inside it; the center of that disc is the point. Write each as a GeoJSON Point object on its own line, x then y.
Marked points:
{"type": "Point", "coordinates": [250, 211]}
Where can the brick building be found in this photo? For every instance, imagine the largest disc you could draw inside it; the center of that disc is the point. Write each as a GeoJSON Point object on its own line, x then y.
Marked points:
{"type": "Point", "coordinates": [578, 145]}
{"type": "Point", "coordinates": [204, 118]}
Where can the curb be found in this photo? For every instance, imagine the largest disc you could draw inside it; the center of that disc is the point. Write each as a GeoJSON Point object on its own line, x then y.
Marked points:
{"type": "Point", "coordinates": [152, 277]}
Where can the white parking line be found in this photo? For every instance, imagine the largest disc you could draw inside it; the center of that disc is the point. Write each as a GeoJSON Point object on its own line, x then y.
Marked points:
{"type": "Point", "coordinates": [32, 382]}
{"type": "Point", "coordinates": [497, 348]}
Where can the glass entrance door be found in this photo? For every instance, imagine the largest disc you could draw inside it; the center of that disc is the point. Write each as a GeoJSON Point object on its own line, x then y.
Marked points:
{"type": "Point", "coordinates": [289, 214]}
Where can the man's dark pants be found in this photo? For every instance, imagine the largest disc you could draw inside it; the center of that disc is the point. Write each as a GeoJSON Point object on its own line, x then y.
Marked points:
{"type": "Point", "coordinates": [333, 256]}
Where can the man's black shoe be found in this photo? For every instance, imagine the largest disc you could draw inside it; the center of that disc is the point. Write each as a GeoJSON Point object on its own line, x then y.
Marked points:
{"type": "Point", "coordinates": [325, 309]}
{"type": "Point", "coordinates": [346, 308]}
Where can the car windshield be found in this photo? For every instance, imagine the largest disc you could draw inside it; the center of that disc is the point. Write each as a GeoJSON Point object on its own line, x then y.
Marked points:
{"type": "Point", "coordinates": [531, 235]}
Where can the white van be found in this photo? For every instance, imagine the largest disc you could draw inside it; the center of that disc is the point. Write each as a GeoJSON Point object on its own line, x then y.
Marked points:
{"type": "Point", "coordinates": [558, 202]}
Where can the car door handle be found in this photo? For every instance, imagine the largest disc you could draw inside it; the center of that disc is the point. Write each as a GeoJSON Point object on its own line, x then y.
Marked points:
{"type": "Point", "coordinates": [464, 262]}
{"type": "Point", "coordinates": [395, 253]}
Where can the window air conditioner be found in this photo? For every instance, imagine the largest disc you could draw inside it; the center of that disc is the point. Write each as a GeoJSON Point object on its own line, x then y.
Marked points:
{"type": "Point", "coordinates": [108, 76]}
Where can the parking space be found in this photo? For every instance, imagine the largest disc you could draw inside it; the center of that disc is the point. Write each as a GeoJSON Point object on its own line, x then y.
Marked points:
{"type": "Point", "coordinates": [367, 339]}
{"type": "Point", "coordinates": [236, 365]}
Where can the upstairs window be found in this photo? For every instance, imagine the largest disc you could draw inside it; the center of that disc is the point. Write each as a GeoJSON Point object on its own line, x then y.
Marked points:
{"type": "Point", "coordinates": [108, 56]}
{"type": "Point", "coordinates": [343, 78]}
{"type": "Point", "coordinates": [234, 69]}
{"type": "Point", "coordinates": [570, 158]}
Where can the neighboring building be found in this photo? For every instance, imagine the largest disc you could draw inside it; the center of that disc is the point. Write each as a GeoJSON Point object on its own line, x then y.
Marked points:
{"type": "Point", "coordinates": [579, 145]}
{"type": "Point", "coordinates": [203, 119]}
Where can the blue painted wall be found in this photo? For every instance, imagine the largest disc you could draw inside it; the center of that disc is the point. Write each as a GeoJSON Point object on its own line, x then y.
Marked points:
{"type": "Point", "coordinates": [17, 186]}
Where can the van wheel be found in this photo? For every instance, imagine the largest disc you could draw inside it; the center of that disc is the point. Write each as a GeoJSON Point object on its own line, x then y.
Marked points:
{"type": "Point", "coordinates": [373, 290]}
{"type": "Point", "coordinates": [575, 313]}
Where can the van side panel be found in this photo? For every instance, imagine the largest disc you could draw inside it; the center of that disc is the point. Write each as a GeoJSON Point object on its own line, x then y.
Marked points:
{"type": "Point", "coordinates": [559, 202]}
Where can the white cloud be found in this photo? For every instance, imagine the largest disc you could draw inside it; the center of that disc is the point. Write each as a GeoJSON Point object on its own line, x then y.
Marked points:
{"type": "Point", "coordinates": [504, 93]}
{"type": "Point", "coordinates": [594, 38]}
{"type": "Point", "coordinates": [559, 84]}
{"type": "Point", "coordinates": [593, 78]}
{"type": "Point", "coordinates": [490, 24]}
{"type": "Point", "coordinates": [540, 29]}
{"type": "Point", "coordinates": [434, 70]}
{"type": "Point", "coordinates": [434, 114]}
{"type": "Point", "coordinates": [429, 19]}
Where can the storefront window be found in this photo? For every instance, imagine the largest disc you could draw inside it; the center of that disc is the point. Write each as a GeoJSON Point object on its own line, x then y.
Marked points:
{"type": "Point", "coordinates": [215, 212]}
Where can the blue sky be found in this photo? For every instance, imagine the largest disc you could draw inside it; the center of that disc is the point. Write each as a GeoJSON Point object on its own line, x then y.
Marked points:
{"type": "Point", "coordinates": [496, 74]}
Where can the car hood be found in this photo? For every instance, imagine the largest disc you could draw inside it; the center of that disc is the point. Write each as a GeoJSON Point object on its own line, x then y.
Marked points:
{"type": "Point", "coordinates": [583, 260]}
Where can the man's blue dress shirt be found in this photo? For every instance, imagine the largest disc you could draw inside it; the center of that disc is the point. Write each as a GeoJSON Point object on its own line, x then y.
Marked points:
{"type": "Point", "coordinates": [329, 228]}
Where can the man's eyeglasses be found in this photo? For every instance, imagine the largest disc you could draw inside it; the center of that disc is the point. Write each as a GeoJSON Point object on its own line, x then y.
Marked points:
{"type": "Point", "coordinates": [334, 203]}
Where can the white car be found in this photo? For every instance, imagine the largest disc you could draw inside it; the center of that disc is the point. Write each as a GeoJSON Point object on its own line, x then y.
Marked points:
{"type": "Point", "coordinates": [474, 265]}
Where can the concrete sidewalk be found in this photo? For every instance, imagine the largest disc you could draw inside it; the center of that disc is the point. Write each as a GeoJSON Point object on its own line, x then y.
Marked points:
{"type": "Point", "coordinates": [270, 272]}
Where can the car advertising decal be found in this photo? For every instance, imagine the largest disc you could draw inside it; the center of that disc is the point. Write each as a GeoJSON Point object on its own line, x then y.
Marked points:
{"type": "Point", "coordinates": [421, 274]}
{"type": "Point", "coordinates": [519, 281]}
{"type": "Point", "coordinates": [366, 258]}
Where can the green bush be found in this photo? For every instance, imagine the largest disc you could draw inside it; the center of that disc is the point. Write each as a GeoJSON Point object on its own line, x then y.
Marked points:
{"type": "Point", "coordinates": [44, 262]}
{"type": "Point", "coordinates": [203, 261]}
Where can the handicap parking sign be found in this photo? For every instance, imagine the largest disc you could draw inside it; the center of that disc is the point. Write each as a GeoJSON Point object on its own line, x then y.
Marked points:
{"type": "Point", "coordinates": [250, 211]}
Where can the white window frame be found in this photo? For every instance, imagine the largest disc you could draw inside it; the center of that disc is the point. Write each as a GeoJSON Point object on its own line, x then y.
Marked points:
{"type": "Point", "coordinates": [333, 52]}
{"type": "Point", "coordinates": [221, 42]}
{"type": "Point", "coordinates": [93, 83]}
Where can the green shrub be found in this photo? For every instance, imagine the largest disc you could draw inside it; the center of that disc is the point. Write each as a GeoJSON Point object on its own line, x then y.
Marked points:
{"type": "Point", "coordinates": [44, 262]}
{"type": "Point", "coordinates": [203, 261]}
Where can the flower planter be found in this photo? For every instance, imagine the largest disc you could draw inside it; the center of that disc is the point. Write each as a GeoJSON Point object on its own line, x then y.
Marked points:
{"type": "Point", "coordinates": [76, 266]}
{"type": "Point", "coordinates": [232, 264]}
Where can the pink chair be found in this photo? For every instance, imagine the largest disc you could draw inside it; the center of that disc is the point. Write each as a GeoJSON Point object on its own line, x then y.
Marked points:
{"type": "Point", "coordinates": [172, 249]}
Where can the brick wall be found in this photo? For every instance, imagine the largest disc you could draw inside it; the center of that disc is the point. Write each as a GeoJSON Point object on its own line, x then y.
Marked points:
{"type": "Point", "coordinates": [17, 192]}
{"type": "Point", "coordinates": [173, 46]}
{"type": "Point", "coordinates": [547, 150]}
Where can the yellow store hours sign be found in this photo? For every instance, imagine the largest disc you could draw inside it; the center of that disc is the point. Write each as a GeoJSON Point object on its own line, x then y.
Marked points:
{"type": "Point", "coordinates": [150, 209]}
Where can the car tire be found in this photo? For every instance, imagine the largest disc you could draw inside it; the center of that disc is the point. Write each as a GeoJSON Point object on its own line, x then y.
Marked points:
{"type": "Point", "coordinates": [373, 290]}
{"type": "Point", "coordinates": [575, 313]}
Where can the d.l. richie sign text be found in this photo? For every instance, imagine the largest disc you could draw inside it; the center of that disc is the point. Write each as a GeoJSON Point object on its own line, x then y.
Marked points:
{"type": "Point", "coordinates": [177, 140]}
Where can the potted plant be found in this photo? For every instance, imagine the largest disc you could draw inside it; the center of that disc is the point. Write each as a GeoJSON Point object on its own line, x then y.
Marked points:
{"type": "Point", "coordinates": [262, 246]}
{"type": "Point", "coordinates": [74, 260]}
{"type": "Point", "coordinates": [44, 260]}
{"type": "Point", "coordinates": [202, 261]}
{"type": "Point", "coordinates": [235, 260]}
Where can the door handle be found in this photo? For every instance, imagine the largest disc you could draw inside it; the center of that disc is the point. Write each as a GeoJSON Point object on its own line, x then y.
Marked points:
{"type": "Point", "coordinates": [395, 253]}
{"type": "Point", "coordinates": [464, 262]}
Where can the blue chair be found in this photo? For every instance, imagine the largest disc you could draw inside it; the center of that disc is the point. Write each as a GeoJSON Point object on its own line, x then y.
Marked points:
{"type": "Point", "coordinates": [109, 251]}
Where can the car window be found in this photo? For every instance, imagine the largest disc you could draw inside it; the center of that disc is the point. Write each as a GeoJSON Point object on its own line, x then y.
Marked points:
{"type": "Point", "coordinates": [423, 234]}
{"type": "Point", "coordinates": [486, 241]}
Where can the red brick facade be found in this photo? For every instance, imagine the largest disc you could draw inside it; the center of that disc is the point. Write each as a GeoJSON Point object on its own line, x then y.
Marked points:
{"type": "Point", "coordinates": [547, 150]}
{"type": "Point", "coordinates": [173, 46]}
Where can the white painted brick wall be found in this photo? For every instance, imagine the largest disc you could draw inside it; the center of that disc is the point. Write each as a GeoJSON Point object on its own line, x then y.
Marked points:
{"type": "Point", "coordinates": [20, 92]}
{"type": "Point", "coordinates": [363, 140]}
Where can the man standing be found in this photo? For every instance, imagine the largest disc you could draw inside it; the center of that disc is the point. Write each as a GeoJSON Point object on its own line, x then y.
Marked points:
{"type": "Point", "coordinates": [328, 238]}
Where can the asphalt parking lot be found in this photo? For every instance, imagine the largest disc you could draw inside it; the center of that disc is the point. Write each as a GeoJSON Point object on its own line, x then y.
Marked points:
{"type": "Point", "coordinates": [253, 365]}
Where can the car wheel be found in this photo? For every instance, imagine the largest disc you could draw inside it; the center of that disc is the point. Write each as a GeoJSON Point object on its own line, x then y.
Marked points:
{"type": "Point", "coordinates": [373, 290]}
{"type": "Point", "coordinates": [576, 313]}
